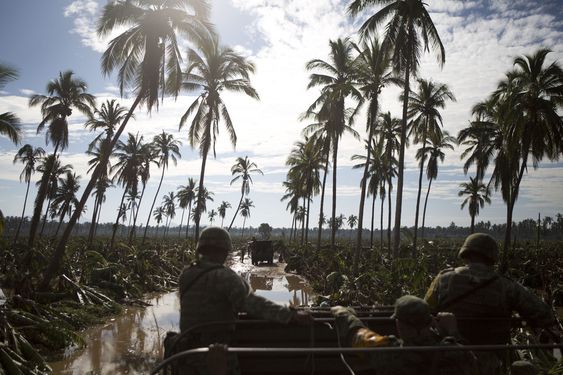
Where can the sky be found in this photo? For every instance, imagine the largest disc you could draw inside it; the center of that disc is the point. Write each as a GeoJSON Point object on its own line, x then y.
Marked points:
{"type": "Point", "coordinates": [481, 39]}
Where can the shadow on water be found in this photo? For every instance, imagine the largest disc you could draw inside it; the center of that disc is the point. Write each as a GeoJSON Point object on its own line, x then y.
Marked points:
{"type": "Point", "coordinates": [132, 342]}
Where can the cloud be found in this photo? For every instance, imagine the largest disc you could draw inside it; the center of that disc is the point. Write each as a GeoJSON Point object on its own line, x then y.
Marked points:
{"type": "Point", "coordinates": [84, 14]}
{"type": "Point", "coordinates": [27, 92]}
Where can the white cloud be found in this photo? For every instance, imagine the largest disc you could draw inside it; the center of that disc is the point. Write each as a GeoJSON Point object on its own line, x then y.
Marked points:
{"type": "Point", "coordinates": [85, 14]}
{"type": "Point", "coordinates": [27, 92]}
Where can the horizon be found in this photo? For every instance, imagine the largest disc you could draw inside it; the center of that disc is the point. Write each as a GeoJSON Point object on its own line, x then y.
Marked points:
{"type": "Point", "coordinates": [481, 40]}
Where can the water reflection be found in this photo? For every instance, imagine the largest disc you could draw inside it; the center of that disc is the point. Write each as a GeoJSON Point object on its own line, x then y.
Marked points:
{"type": "Point", "coordinates": [132, 342]}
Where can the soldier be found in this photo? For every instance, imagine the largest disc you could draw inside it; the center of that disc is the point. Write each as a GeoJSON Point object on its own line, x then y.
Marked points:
{"type": "Point", "coordinates": [211, 292]}
{"type": "Point", "coordinates": [477, 291]}
{"type": "Point", "coordinates": [415, 327]}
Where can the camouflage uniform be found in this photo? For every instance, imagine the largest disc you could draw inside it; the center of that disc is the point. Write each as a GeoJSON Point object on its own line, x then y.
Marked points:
{"type": "Point", "coordinates": [218, 295]}
{"type": "Point", "coordinates": [354, 333]}
{"type": "Point", "coordinates": [498, 299]}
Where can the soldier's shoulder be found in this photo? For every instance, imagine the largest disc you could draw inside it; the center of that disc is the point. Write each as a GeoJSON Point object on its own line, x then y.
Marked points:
{"type": "Point", "coordinates": [446, 271]}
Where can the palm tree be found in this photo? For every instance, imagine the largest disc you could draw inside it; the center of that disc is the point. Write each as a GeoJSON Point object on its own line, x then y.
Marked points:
{"type": "Point", "coordinates": [148, 57]}
{"type": "Point", "coordinates": [158, 213]}
{"type": "Point", "coordinates": [65, 196]}
{"type": "Point", "coordinates": [336, 78]}
{"type": "Point", "coordinates": [242, 169]}
{"type": "Point", "coordinates": [211, 216]}
{"type": "Point", "coordinates": [477, 195]}
{"type": "Point", "coordinates": [245, 212]}
{"type": "Point", "coordinates": [389, 132]}
{"type": "Point", "coordinates": [373, 72]}
{"type": "Point", "coordinates": [352, 221]}
{"type": "Point", "coordinates": [222, 210]}
{"type": "Point", "coordinates": [409, 31]}
{"type": "Point", "coordinates": [435, 153]}
{"type": "Point", "coordinates": [201, 206]}
{"type": "Point", "coordinates": [9, 123]}
{"type": "Point", "coordinates": [167, 148]}
{"type": "Point", "coordinates": [305, 162]}
{"type": "Point", "coordinates": [533, 93]}
{"type": "Point", "coordinates": [293, 194]}
{"type": "Point", "coordinates": [424, 111]}
{"type": "Point", "coordinates": [211, 71]}
{"type": "Point", "coordinates": [127, 170]}
{"type": "Point", "coordinates": [64, 94]}
{"type": "Point", "coordinates": [107, 118]}
{"type": "Point", "coordinates": [29, 156]}
{"type": "Point", "coordinates": [169, 204]}
{"type": "Point", "coordinates": [149, 154]}
{"type": "Point", "coordinates": [186, 194]}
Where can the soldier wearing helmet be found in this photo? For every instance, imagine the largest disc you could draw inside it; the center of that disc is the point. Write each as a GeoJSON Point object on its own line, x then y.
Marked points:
{"type": "Point", "coordinates": [475, 291]}
{"type": "Point", "coordinates": [212, 292]}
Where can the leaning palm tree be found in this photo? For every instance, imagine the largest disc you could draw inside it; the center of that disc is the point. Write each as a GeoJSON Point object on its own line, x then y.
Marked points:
{"type": "Point", "coordinates": [373, 73]}
{"type": "Point", "coordinates": [29, 156]}
{"type": "Point", "coordinates": [222, 210]}
{"type": "Point", "coordinates": [336, 79]}
{"type": "Point", "coordinates": [435, 154]}
{"type": "Point", "coordinates": [245, 212]}
{"type": "Point", "coordinates": [10, 124]}
{"type": "Point", "coordinates": [424, 110]}
{"type": "Point", "coordinates": [477, 195]}
{"type": "Point", "coordinates": [148, 58]}
{"type": "Point", "coordinates": [187, 194]}
{"type": "Point", "coordinates": [212, 70]}
{"type": "Point", "coordinates": [64, 94]}
{"type": "Point", "coordinates": [409, 32]}
{"type": "Point", "coordinates": [167, 148]}
{"type": "Point", "coordinates": [242, 170]}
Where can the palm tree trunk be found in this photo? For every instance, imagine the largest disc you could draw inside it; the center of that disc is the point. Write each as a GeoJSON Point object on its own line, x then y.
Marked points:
{"type": "Point", "coordinates": [93, 224]}
{"type": "Point", "coordinates": [45, 217]}
{"type": "Point", "coordinates": [399, 200]}
{"type": "Point", "coordinates": [421, 172]}
{"type": "Point", "coordinates": [54, 265]}
{"type": "Point", "coordinates": [381, 221]}
{"type": "Point", "coordinates": [334, 160]}
{"type": "Point", "coordinates": [116, 225]}
{"type": "Point", "coordinates": [188, 220]}
{"type": "Point", "coordinates": [236, 212]}
{"type": "Point", "coordinates": [424, 211]}
{"type": "Point", "coordinates": [100, 203]}
{"type": "Point", "coordinates": [372, 219]}
{"type": "Point", "coordinates": [307, 224]}
{"type": "Point", "coordinates": [132, 233]}
{"type": "Point", "coordinates": [181, 222]}
{"type": "Point", "coordinates": [291, 230]}
{"type": "Point", "coordinates": [472, 229]}
{"type": "Point", "coordinates": [152, 205]}
{"type": "Point", "coordinates": [200, 194]}
{"type": "Point", "coordinates": [389, 249]}
{"type": "Point", "coordinates": [59, 226]}
{"type": "Point", "coordinates": [23, 212]}
{"type": "Point", "coordinates": [156, 235]}
{"type": "Point", "coordinates": [321, 213]}
{"type": "Point", "coordinates": [243, 223]}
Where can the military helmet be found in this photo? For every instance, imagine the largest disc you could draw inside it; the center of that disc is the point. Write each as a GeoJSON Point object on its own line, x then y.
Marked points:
{"type": "Point", "coordinates": [214, 237]}
{"type": "Point", "coordinates": [413, 311]}
{"type": "Point", "coordinates": [482, 244]}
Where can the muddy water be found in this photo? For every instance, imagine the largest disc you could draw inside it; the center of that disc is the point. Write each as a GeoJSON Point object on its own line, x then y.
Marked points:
{"type": "Point", "coordinates": [132, 342]}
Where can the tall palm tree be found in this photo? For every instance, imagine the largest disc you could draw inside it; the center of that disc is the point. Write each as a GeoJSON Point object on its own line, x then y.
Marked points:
{"type": "Point", "coordinates": [107, 118]}
{"type": "Point", "coordinates": [477, 195]}
{"type": "Point", "coordinates": [211, 71]}
{"type": "Point", "coordinates": [211, 214]}
{"type": "Point", "coordinates": [64, 94]}
{"type": "Point", "coordinates": [306, 162]}
{"type": "Point", "coordinates": [167, 148]}
{"type": "Point", "coordinates": [65, 196]}
{"type": "Point", "coordinates": [243, 169]}
{"type": "Point", "coordinates": [293, 194]}
{"type": "Point", "coordinates": [373, 73]}
{"type": "Point", "coordinates": [169, 204]}
{"type": "Point", "coordinates": [10, 124]}
{"type": "Point", "coordinates": [352, 220]}
{"type": "Point", "coordinates": [435, 154]}
{"type": "Point", "coordinates": [245, 212]}
{"type": "Point", "coordinates": [149, 154]}
{"type": "Point", "coordinates": [148, 58]}
{"type": "Point", "coordinates": [186, 194]}
{"type": "Point", "coordinates": [29, 156]}
{"type": "Point", "coordinates": [534, 94]}
{"type": "Point", "coordinates": [336, 79]}
{"type": "Point", "coordinates": [127, 169]}
{"type": "Point", "coordinates": [424, 110]}
{"type": "Point", "coordinates": [201, 206]}
{"type": "Point", "coordinates": [222, 210]}
{"type": "Point", "coordinates": [410, 31]}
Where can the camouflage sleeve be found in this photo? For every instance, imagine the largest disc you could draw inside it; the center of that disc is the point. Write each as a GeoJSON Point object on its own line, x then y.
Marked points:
{"type": "Point", "coordinates": [528, 305]}
{"type": "Point", "coordinates": [431, 296]}
{"type": "Point", "coordinates": [243, 299]}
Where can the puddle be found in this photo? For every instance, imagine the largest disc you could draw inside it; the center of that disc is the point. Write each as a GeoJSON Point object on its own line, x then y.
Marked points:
{"type": "Point", "coordinates": [132, 342]}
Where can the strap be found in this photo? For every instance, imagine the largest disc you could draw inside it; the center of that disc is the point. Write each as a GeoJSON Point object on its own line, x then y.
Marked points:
{"type": "Point", "coordinates": [456, 299]}
{"type": "Point", "coordinates": [198, 277]}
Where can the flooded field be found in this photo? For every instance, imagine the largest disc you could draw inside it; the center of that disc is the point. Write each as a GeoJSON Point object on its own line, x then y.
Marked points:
{"type": "Point", "coordinates": [132, 342]}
